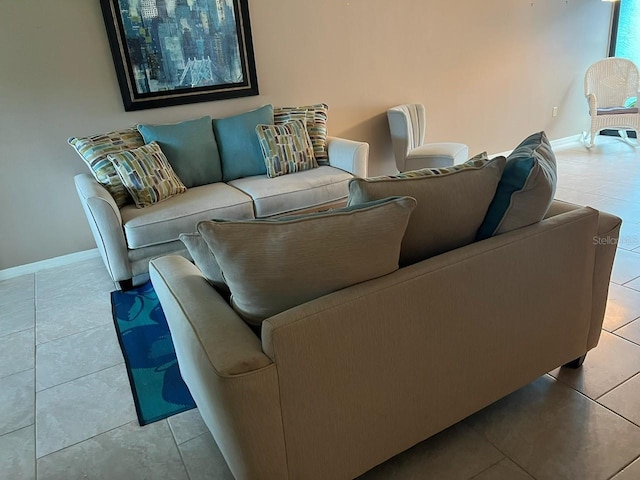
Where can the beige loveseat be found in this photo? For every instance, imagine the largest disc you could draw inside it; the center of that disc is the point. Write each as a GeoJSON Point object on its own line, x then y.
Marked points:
{"type": "Point", "coordinates": [129, 237]}
{"type": "Point", "coordinates": [341, 383]}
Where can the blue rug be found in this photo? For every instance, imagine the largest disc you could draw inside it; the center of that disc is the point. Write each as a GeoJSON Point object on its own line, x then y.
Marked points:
{"type": "Point", "coordinates": [158, 388]}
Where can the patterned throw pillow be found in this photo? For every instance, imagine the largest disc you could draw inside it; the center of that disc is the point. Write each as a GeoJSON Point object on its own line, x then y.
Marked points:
{"type": "Point", "coordinates": [452, 203]}
{"type": "Point", "coordinates": [316, 118]}
{"type": "Point", "coordinates": [147, 174]}
{"type": "Point", "coordinates": [286, 148]}
{"type": "Point", "coordinates": [94, 150]}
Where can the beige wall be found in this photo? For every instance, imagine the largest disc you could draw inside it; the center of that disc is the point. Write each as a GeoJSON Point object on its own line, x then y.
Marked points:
{"type": "Point", "coordinates": [489, 73]}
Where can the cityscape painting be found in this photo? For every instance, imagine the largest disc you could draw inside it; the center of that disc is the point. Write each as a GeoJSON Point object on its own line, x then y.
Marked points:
{"type": "Point", "coordinates": [170, 52]}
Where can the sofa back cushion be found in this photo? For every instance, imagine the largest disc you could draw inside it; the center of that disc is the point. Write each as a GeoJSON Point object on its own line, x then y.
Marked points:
{"type": "Point", "coordinates": [190, 148]}
{"type": "Point", "coordinates": [204, 260]}
{"type": "Point", "coordinates": [238, 143]}
{"type": "Point", "coordinates": [526, 188]}
{"type": "Point", "coordinates": [452, 203]}
{"type": "Point", "coordinates": [273, 265]}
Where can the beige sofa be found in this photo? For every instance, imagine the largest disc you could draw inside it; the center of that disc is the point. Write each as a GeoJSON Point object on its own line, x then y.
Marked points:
{"type": "Point", "coordinates": [342, 383]}
{"type": "Point", "coordinates": [129, 237]}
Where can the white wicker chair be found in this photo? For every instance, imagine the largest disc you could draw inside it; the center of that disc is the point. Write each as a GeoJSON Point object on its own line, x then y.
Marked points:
{"type": "Point", "coordinates": [408, 124]}
{"type": "Point", "coordinates": [608, 85]}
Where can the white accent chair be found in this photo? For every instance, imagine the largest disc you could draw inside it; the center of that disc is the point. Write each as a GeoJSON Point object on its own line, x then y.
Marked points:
{"type": "Point", "coordinates": [609, 86]}
{"type": "Point", "coordinates": [407, 124]}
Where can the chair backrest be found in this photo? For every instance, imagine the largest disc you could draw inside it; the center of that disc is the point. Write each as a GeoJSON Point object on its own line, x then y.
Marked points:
{"type": "Point", "coordinates": [612, 80]}
{"type": "Point", "coordinates": [407, 125]}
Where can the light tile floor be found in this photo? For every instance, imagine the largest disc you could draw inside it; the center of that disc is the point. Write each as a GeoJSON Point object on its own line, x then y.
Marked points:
{"type": "Point", "coordinates": [66, 410]}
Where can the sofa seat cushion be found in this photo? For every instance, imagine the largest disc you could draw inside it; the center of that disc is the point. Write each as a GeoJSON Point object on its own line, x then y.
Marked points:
{"type": "Point", "coordinates": [164, 222]}
{"type": "Point", "coordinates": [298, 191]}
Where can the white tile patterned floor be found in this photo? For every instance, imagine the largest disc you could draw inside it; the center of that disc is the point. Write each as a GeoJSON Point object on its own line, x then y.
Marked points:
{"type": "Point", "coordinates": [66, 410]}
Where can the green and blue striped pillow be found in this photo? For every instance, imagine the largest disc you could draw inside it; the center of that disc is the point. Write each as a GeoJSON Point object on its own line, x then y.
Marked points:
{"type": "Point", "coordinates": [315, 117]}
{"type": "Point", "coordinates": [286, 148]}
{"type": "Point", "coordinates": [147, 174]}
{"type": "Point", "coordinates": [94, 150]}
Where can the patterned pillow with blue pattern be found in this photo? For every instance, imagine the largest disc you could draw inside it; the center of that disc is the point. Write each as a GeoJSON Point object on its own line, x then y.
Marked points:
{"type": "Point", "coordinates": [147, 174]}
{"type": "Point", "coordinates": [286, 148]}
{"type": "Point", "coordinates": [316, 118]}
{"type": "Point", "coordinates": [94, 150]}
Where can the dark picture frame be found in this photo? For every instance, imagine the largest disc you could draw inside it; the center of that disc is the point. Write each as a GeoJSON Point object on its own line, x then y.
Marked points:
{"type": "Point", "coordinates": [173, 52]}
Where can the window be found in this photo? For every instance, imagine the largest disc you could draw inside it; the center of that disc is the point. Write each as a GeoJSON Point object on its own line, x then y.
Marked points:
{"type": "Point", "coordinates": [625, 34]}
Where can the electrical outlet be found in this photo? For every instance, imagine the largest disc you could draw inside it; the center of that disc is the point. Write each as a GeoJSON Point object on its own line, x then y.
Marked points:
{"type": "Point", "coordinates": [554, 112]}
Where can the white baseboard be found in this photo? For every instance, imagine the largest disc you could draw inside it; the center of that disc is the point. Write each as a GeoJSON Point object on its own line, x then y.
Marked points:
{"type": "Point", "coordinates": [567, 142]}
{"type": "Point", "coordinates": [559, 144]}
{"type": "Point", "coordinates": [49, 263]}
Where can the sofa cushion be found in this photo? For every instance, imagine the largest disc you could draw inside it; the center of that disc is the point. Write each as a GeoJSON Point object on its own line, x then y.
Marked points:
{"type": "Point", "coordinates": [273, 265]}
{"type": "Point", "coordinates": [190, 148]}
{"type": "Point", "coordinates": [316, 118]}
{"type": "Point", "coordinates": [526, 188]}
{"type": "Point", "coordinates": [204, 260]}
{"type": "Point", "coordinates": [286, 148]}
{"type": "Point", "coordinates": [147, 174]}
{"type": "Point", "coordinates": [289, 193]}
{"type": "Point", "coordinates": [238, 143]}
{"type": "Point", "coordinates": [452, 203]}
{"type": "Point", "coordinates": [94, 150]}
{"type": "Point", "coordinates": [165, 222]}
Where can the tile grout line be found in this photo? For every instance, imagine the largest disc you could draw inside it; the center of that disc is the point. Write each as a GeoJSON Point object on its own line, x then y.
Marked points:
{"type": "Point", "coordinates": [82, 376]}
{"type": "Point", "coordinates": [19, 428]}
{"type": "Point", "coordinates": [74, 333]}
{"type": "Point", "coordinates": [497, 448]}
{"type": "Point", "coordinates": [625, 324]}
{"type": "Point", "coordinates": [84, 440]}
{"type": "Point", "coordinates": [475, 475]}
{"type": "Point", "coordinates": [625, 338]}
{"type": "Point", "coordinates": [33, 367]}
{"type": "Point", "coordinates": [175, 441]}
{"type": "Point", "coordinates": [613, 388]}
{"type": "Point", "coordinates": [623, 468]}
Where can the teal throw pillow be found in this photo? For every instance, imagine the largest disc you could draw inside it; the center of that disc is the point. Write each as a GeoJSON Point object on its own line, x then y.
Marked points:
{"type": "Point", "coordinates": [190, 147]}
{"type": "Point", "coordinates": [526, 188]}
{"type": "Point", "coordinates": [240, 150]}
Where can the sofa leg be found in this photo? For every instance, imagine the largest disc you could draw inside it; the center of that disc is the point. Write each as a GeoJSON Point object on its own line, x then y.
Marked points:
{"type": "Point", "coordinates": [126, 284]}
{"type": "Point", "coordinates": [576, 363]}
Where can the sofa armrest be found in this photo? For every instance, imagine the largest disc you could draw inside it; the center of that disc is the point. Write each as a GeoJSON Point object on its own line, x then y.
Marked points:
{"type": "Point", "coordinates": [606, 245]}
{"type": "Point", "coordinates": [105, 221]}
{"type": "Point", "coordinates": [200, 318]}
{"type": "Point", "coordinates": [349, 155]}
{"type": "Point", "coordinates": [606, 242]}
{"type": "Point", "coordinates": [234, 384]}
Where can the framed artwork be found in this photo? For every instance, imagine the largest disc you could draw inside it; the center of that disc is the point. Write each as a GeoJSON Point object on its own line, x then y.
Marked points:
{"type": "Point", "coordinates": [171, 52]}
